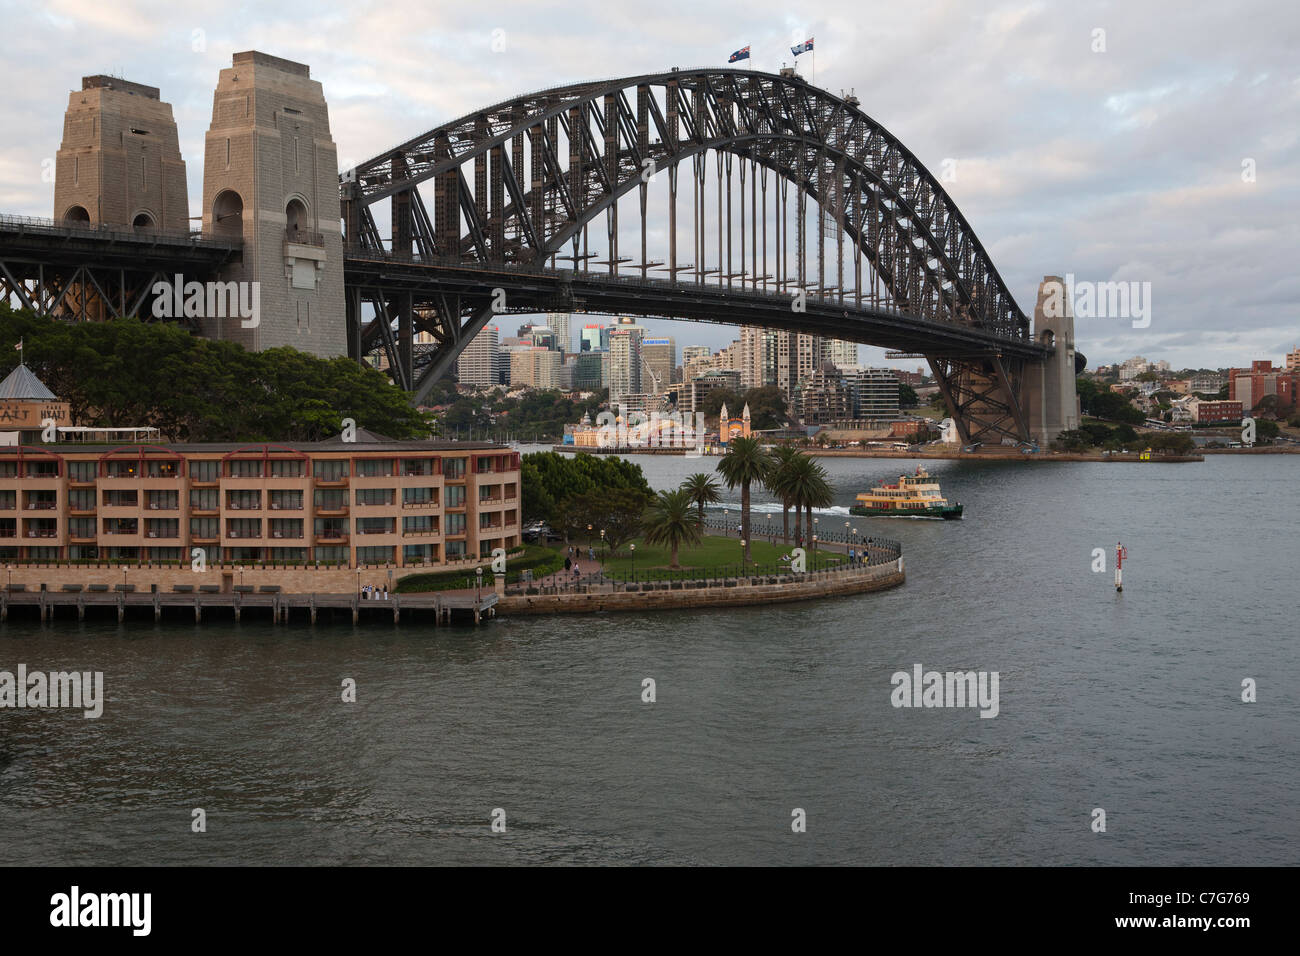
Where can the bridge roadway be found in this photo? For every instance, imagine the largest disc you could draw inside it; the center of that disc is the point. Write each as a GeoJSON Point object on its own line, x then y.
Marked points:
{"type": "Point", "coordinates": [539, 289]}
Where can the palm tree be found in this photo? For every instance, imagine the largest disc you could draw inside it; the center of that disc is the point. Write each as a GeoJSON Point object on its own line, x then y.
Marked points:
{"type": "Point", "coordinates": [744, 463]}
{"type": "Point", "coordinates": [671, 520]}
{"type": "Point", "coordinates": [783, 459]}
{"type": "Point", "coordinates": [703, 489]}
{"type": "Point", "coordinates": [809, 487]}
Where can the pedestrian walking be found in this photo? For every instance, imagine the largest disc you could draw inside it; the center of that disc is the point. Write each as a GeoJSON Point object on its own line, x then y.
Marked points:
{"type": "Point", "coordinates": [568, 563]}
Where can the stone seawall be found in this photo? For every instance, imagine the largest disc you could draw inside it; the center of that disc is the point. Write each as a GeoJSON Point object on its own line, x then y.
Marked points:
{"type": "Point", "coordinates": [675, 595]}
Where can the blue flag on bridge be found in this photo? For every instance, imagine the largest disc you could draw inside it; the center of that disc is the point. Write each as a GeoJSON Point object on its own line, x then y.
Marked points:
{"type": "Point", "coordinates": [804, 47]}
{"type": "Point", "coordinates": [741, 54]}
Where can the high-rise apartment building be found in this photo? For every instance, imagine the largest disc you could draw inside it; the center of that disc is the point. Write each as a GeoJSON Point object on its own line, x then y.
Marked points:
{"type": "Point", "coordinates": [480, 363]}
{"type": "Point", "coordinates": [560, 324]}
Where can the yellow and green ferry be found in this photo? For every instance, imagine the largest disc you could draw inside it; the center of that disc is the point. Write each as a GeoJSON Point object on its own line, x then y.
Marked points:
{"type": "Point", "coordinates": [915, 496]}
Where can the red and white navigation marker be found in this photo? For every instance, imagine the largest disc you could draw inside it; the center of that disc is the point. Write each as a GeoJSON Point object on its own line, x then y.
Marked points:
{"type": "Point", "coordinates": [1121, 553]}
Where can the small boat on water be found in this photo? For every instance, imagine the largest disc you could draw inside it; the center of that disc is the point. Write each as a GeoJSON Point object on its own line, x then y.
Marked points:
{"type": "Point", "coordinates": [915, 496]}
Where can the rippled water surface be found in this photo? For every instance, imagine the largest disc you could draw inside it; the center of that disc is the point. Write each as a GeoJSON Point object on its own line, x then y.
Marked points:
{"type": "Point", "coordinates": [1130, 702]}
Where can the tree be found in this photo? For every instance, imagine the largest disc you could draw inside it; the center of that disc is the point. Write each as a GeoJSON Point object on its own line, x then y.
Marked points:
{"type": "Point", "coordinates": [703, 489]}
{"type": "Point", "coordinates": [767, 408]}
{"type": "Point", "coordinates": [713, 401]}
{"type": "Point", "coordinates": [744, 463]}
{"type": "Point", "coordinates": [670, 520]}
{"type": "Point", "coordinates": [129, 373]}
{"type": "Point", "coordinates": [778, 481]}
{"type": "Point", "coordinates": [808, 487]}
{"type": "Point", "coordinates": [907, 396]}
{"type": "Point", "coordinates": [1073, 440]}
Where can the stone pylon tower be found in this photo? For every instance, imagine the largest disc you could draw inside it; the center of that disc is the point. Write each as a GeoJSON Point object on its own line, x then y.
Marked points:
{"type": "Point", "coordinates": [1051, 400]}
{"type": "Point", "coordinates": [120, 161]}
{"type": "Point", "coordinates": [270, 176]}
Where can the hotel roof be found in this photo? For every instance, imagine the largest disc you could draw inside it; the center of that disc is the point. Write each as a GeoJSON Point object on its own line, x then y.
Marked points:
{"type": "Point", "coordinates": [21, 385]}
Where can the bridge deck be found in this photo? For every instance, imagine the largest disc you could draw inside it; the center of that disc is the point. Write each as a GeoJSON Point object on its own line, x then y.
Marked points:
{"type": "Point", "coordinates": [532, 288]}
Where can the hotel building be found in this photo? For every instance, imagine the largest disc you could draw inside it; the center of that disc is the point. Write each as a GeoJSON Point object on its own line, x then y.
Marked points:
{"type": "Point", "coordinates": [372, 501]}
{"type": "Point", "coordinates": [355, 504]}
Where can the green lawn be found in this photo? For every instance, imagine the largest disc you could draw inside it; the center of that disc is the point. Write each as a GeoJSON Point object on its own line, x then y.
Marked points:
{"type": "Point", "coordinates": [713, 554]}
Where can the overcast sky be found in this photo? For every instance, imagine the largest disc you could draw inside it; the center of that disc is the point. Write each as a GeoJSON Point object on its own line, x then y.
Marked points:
{"type": "Point", "coordinates": [1122, 163]}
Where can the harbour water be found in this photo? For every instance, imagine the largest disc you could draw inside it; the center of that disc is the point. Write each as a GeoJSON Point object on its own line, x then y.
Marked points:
{"type": "Point", "coordinates": [1126, 702]}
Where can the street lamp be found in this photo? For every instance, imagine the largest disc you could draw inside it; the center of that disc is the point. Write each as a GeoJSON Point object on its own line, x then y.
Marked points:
{"type": "Point", "coordinates": [726, 523]}
{"type": "Point", "coordinates": [478, 587]}
{"type": "Point", "coordinates": [358, 582]}
{"type": "Point", "coordinates": [816, 521]}
{"type": "Point", "coordinates": [632, 546]}
{"type": "Point", "coordinates": [603, 552]}
{"type": "Point", "coordinates": [742, 557]}
{"type": "Point", "coordinates": [770, 539]}
{"type": "Point", "coordinates": [588, 537]}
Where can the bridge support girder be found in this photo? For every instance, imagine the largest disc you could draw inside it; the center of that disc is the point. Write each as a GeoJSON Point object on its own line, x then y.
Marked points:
{"type": "Point", "coordinates": [985, 397]}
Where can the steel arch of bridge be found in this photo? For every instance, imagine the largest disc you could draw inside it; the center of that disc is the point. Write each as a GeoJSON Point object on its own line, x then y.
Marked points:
{"type": "Point", "coordinates": [526, 205]}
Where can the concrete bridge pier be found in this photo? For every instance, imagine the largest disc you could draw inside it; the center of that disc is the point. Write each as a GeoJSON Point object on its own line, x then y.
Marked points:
{"type": "Point", "coordinates": [1051, 401]}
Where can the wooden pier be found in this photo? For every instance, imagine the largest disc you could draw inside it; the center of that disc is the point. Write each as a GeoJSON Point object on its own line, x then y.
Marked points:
{"type": "Point", "coordinates": [436, 608]}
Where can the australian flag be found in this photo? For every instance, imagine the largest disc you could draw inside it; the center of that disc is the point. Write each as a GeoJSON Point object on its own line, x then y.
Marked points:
{"type": "Point", "coordinates": [741, 54]}
{"type": "Point", "coordinates": [803, 47]}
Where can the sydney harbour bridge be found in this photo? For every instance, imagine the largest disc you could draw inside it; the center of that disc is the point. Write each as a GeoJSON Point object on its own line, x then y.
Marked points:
{"type": "Point", "coordinates": [805, 215]}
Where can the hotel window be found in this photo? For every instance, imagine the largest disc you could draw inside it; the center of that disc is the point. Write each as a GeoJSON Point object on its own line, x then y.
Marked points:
{"type": "Point", "coordinates": [120, 525]}
{"type": "Point", "coordinates": [120, 499]}
{"type": "Point", "coordinates": [81, 527]}
{"type": "Point", "coordinates": [455, 497]}
{"type": "Point", "coordinates": [162, 469]}
{"type": "Point", "coordinates": [245, 468]}
{"type": "Point", "coordinates": [42, 469]}
{"type": "Point", "coordinates": [43, 554]}
{"type": "Point", "coordinates": [205, 528]}
{"type": "Point", "coordinates": [489, 492]}
{"type": "Point", "coordinates": [418, 554]}
{"type": "Point", "coordinates": [162, 500]}
{"type": "Point", "coordinates": [243, 527]}
{"type": "Point", "coordinates": [455, 550]}
{"type": "Point", "coordinates": [205, 470]}
{"type": "Point", "coordinates": [8, 469]}
{"type": "Point", "coordinates": [80, 499]}
{"type": "Point", "coordinates": [335, 499]}
{"type": "Point", "coordinates": [162, 528]}
{"type": "Point", "coordinates": [455, 524]}
{"type": "Point", "coordinates": [417, 466]}
{"type": "Point", "coordinates": [375, 525]}
{"type": "Point", "coordinates": [244, 500]}
{"type": "Point", "coordinates": [168, 555]}
{"type": "Point", "coordinates": [374, 467]}
{"type": "Point", "coordinates": [332, 555]}
{"type": "Point", "coordinates": [453, 467]}
{"type": "Point", "coordinates": [81, 470]}
{"type": "Point", "coordinates": [375, 496]}
{"type": "Point", "coordinates": [205, 499]}
{"type": "Point", "coordinates": [289, 555]}
{"type": "Point", "coordinates": [286, 500]}
{"type": "Point", "coordinates": [421, 524]}
{"type": "Point", "coordinates": [286, 527]}
{"type": "Point", "coordinates": [291, 468]}
{"type": "Point", "coordinates": [484, 464]}
{"type": "Point", "coordinates": [374, 555]}
{"type": "Point", "coordinates": [419, 496]}
{"type": "Point", "coordinates": [329, 469]}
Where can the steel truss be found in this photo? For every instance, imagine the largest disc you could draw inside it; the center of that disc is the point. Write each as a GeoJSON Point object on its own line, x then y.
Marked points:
{"type": "Point", "coordinates": [520, 183]}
